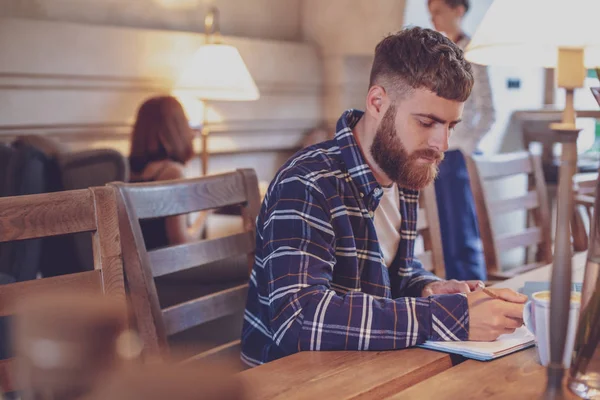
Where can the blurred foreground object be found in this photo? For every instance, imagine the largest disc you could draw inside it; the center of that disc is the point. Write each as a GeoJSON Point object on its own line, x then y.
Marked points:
{"type": "Point", "coordinates": [163, 381]}
{"type": "Point", "coordinates": [65, 343]}
{"type": "Point", "coordinates": [78, 346]}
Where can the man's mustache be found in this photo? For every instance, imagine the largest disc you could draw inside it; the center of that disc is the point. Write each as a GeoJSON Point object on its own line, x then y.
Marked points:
{"type": "Point", "coordinates": [428, 154]}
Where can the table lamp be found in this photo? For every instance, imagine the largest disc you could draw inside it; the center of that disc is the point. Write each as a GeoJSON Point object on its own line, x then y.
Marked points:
{"type": "Point", "coordinates": [553, 34]}
{"type": "Point", "coordinates": [216, 72]}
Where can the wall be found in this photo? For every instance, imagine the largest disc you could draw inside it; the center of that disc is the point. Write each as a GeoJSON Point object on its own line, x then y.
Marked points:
{"type": "Point", "coordinates": [346, 33]}
{"type": "Point", "coordinates": [350, 27]}
{"type": "Point", "coordinates": [72, 82]}
{"type": "Point", "coordinates": [265, 19]}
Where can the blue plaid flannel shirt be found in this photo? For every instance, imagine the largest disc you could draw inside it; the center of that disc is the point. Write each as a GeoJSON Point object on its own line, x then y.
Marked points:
{"type": "Point", "coordinates": [319, 281]}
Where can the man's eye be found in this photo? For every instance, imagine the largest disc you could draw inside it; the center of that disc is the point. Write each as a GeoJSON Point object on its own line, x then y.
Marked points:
{"type": "Point", "coordinates": [426, 124]}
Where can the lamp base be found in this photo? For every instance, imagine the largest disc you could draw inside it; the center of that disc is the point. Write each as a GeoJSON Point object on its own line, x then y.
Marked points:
{"type": "Point", "coordinates": [554, 388]}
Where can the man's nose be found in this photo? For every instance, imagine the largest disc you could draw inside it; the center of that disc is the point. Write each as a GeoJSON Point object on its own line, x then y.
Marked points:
{"type": "Point", "coordinates": [439, 140]}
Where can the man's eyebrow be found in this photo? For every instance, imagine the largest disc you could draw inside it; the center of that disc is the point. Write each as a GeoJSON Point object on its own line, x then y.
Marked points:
{"type": "Point", "coordinates": [436, 118]}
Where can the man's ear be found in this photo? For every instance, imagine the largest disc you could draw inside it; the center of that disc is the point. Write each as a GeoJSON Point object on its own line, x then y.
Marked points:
{"type": "Point", "coordinates": [460, 11]}
{"type": "Point", "coordinates": [375, 101]}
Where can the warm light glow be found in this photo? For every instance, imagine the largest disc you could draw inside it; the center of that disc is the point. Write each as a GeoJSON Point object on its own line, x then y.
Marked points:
{"type": "Point", "coordinates": [217, 72]}
{"type": "Point", "coordinates": [195, 110]}
{"type": "Point", "coordinates": [178, 4]}
{"type": "Point", "coordinates": [529, 32]}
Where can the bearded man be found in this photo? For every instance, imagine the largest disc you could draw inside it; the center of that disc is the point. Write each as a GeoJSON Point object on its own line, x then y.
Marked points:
{"type": "Point", "coordinates": [334, 266]}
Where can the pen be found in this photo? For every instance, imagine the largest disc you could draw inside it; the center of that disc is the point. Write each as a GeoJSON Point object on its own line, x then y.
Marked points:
{"type": "Point", "coordinates": [491, 294]}
{"type": "Point", "coordinates": [488, 292]}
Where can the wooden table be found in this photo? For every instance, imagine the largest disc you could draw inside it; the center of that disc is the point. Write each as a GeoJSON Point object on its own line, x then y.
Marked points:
{"type": "Point", "coordinates": [343, 374]}
{"type": "Point", "coordinates": [516, 376]}
{"type": "Point", "coordinates": [404, 374]}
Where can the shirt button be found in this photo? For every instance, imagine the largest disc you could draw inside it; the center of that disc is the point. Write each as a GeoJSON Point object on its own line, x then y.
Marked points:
{"type": "Point", "coordinates": [377, 191]}
{"type": "Point", "coordinates": [362, 195]}
{"type": "Point", "coordinates": [371, 214]}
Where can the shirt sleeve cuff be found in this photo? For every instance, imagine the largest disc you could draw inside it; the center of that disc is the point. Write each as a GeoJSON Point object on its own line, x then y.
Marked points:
{"type": "Point", "coordinates": [417, 283]}
{"type": "Point", "coordinates": [449, 317]}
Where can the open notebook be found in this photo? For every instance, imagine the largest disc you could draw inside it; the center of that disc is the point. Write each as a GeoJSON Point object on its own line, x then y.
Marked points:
{"type": "Point", "coordinates": [485, 351]}
{"type": "Point", "coordinates": [505, 344]}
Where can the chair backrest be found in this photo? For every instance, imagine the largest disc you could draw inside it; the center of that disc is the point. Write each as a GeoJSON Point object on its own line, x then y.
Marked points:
{"type": "Point", "coordinates": [428, 226]}
{"type": "Point", "coordinates": [47, 145]}
{"type": "Point", "coordinates": [535, 202]}
{"type": "Point", "coordinates": [83, 169]}
{"type": "Point", "coordinates": [168, 198]}
{"type": "Point", "coordinates": [49, 214]}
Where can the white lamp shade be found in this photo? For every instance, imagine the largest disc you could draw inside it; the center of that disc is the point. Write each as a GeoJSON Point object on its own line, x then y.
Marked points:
{"type": "Point", "coordinates": [529, 32]}
{"type": "Point", "coordinates": [218, 72]}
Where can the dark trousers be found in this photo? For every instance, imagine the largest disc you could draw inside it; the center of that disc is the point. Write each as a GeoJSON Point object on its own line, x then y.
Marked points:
{"type": "Point", "coordinates": [463, 250]}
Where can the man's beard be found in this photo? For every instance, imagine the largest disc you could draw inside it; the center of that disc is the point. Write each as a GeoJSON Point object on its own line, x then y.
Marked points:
{"type": "Point", "coordinates": [391, 156]}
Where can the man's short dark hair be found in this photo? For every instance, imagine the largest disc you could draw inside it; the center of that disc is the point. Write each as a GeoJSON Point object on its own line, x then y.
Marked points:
{"type": "Point", "coordinates": [416, 58]}
{"type": "Point", "coordinates": [455, 3]}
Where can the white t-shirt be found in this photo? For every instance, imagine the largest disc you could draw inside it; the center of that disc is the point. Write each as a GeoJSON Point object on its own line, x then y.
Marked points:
{"type": "Point", "coordinates": [387, 220]}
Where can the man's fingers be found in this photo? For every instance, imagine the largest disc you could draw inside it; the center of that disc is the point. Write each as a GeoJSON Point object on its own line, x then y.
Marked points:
{"type": "Point", "coordinates": [508, 331]}
{"type": "Point", "coordinates": [475, 285]}
{"type": "Point", "coordinates": [509, 295]}
{"type": "Point", "coordinates": [513, 323]}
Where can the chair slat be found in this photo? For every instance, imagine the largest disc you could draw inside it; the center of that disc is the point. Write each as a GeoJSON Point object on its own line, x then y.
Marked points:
{"type": "Point", "coordinates": [50, 214]}
{"type": "Point", "coordinates": [163, 199]}
{"type": "Point", "coordinates": [178, 258]}
{"type": "Point", "coordinates": [585, 200]}
{"type": "Point", "coordinates": [511, 273]}
{"type": "Point", "coordinates": [233, 347]}
{"type": "Point", "coordinates": [527, 238]}
{"type": "Point", "coordinates": [7, 375]}
{"type": "Point", "coordinates": [208, 308]}
{"type": "Point", "coordinates": [85, 281]}
{"type": "Point", "coordinates": [527, 202]}
{"type": "Point", "coordinates": [504, 165]}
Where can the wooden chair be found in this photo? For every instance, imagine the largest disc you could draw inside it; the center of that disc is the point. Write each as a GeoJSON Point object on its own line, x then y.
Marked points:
{"type": "Point", "coordinates": [162, 199]}
{"type": "Point", "coordinates": [89, 210]}
{"type": "Point", "coordinates": [484, 169]}
{"type": "Point", "coordinates": [539, 132]}
{"type": "Point", "coordinates": [428, 226]}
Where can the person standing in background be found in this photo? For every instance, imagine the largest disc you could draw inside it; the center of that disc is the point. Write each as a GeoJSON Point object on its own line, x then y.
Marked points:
{"type": "Point", "coordinates": [463, 251]}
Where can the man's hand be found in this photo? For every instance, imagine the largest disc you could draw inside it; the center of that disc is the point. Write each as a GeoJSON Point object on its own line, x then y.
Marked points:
{"type": "Point", "coordinates": [450, 287]}
{"type": "Point", "coordinates": [490, 318]}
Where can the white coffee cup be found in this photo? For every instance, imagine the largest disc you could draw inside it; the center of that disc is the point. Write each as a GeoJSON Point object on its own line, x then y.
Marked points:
{"type": "Point", "coordinates": [536, 316]}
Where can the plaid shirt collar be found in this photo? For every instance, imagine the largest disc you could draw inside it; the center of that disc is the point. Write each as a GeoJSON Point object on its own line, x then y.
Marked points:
{"type": "Point", "coordinates": [357, 167]}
